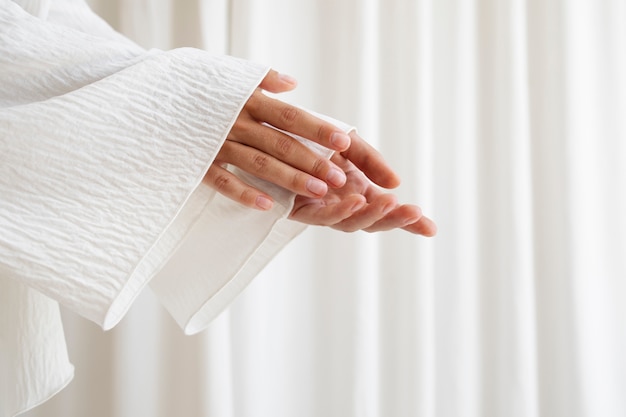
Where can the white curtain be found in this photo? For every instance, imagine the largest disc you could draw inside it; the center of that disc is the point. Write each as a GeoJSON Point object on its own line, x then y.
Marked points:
{"type": "Point", "coordinates": [507, 122]}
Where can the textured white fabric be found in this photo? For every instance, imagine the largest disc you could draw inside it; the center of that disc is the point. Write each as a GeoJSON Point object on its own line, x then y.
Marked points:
{"type": "Point", "coordinates": [505, 119]}
{"type": "Point", "coordinates": [37, 8]}
{"type": "Point", "coordinates": [103, 147]}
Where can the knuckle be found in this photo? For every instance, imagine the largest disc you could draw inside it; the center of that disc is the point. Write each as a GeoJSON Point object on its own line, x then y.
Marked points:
{"type": "Point", "coordinates": [247, 196]}
{"type": "Point", "coordinates": [322, 133]}
{"type": "Point", "coordinates": [319, 166]}
{"type": "Point", "coordinates": [297, 180]}
{"type": "Point", "coordinates": [289, 115]}
{"type": "Point", "coordinates": [222, 182]}
{"type": "Point", "coordinates": [284, 145]}
{"type": "Point", "coordinates": [260, 162]}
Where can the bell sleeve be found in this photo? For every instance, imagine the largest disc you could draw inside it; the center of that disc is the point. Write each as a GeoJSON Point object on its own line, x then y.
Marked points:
{"type": "Point", "coordinates": [103, 148]}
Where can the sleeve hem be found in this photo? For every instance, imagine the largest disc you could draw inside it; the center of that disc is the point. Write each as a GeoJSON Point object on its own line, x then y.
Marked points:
{"type": "Point", "coordinates": [42, 399]}
{"type": "Point", "coordinates": [107, 179]}
{"type": "Point", "coordinates": [172, 235]}
{"type": "Point", "coordinates": [227, 248]}
{"type": "Point", "coordinates": [281, 234]}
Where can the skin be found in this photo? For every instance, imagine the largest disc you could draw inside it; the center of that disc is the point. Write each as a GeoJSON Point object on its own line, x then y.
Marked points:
{"type": "Point", "coordinates": [343, 193]}
{"type": "Point", "coordinates": [360, 204]}
{"type": "Point", "coordinates": [273, 155]}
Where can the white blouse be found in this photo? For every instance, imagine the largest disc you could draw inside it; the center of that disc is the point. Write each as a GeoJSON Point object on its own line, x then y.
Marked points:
{"type": "Point", "coordinates": [103, 148]}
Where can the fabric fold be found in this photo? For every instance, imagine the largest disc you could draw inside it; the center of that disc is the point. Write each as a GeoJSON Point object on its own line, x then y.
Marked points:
{"type": "Point", "coordinates": [98, 177]}
{"type": "Point", "coordinates": [103, 148]}
{"type": "Point", "coordinates": [194, 286]}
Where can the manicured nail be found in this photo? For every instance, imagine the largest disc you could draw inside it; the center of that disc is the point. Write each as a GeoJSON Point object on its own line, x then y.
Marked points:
{"type": "Point", "coordinates": [264, 203]}
{"type": "Point", "coordinates": [410, 221]}
{"type": "Point", "coordinates": [357, 206]}
{"type": "Point", "coordinates": [316, 187]}
{"type": "Point", "coordinates": [336, 177]}
{"type": "Point", "coordinates": [389, 207]}
{"type": "Point", "coordinates": [288, 79]}
{"type": "Point", "coordinates": [340, 140]}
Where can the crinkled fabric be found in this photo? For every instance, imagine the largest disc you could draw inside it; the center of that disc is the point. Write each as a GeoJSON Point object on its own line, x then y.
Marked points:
{"type": "Point", "coordinates": [103, 147]}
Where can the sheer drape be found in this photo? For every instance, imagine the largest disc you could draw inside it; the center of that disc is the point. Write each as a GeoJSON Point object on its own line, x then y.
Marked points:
{"type": "Point", "coordinates": [507, 122]}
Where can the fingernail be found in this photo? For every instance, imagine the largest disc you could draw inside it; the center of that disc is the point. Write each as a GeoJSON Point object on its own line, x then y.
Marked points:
{"type": "Point", "coordinates": [389, 207]}
{"type": "Point", "coordinates": [340, 140]}
{"type": "Point", "coordinates": [410, 221]}
{"type": "Point", "coordinates": [336, 177]}
{"type": "Point", "coordinates": [357, 206]}
{"type": "Point", "coordinates": [264, 203]}
{"type": "Point", "coordinates": [288, 79]}
{"type": "Point", "coordinates": [316, 187]}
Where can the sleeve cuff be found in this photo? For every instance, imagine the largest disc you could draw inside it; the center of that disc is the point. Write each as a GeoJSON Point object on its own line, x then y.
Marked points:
{"type": "Point", "coordinates": [97, 183]}
{"type": "Point", "coordinates": [225, 249]}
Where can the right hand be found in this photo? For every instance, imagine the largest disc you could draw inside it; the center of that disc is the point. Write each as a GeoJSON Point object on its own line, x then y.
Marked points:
{"type": "Point", "coordinates": [360, 204]}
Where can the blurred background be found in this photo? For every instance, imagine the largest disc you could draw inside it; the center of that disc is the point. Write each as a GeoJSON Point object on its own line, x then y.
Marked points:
{"type": "Point", "coordinates": [507, 122]}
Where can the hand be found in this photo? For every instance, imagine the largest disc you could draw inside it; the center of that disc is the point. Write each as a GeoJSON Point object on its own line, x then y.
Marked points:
{"type": "Point", "coordinates": [272, 155]}
{"type": "Point", "coordinates": [359, 204]}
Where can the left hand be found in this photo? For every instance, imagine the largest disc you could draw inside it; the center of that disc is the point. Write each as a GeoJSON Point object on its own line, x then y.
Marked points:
{"type": "Point", "coordinates": [272, 155]}
{"type": "Point", "coordinates": [360, 204]}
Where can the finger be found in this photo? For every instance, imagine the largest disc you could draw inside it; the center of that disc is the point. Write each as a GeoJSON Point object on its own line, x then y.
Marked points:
{"type": "Point", "coordinates": [399, 217]}
{"type": "Point", "coordinates": [266, 167]}
{"type": "Point", "coordinates": [288, 150]}
{"type": "Point", "coordinates": [297, 121]}
{"type": "Point", "coordinates": [371, 162]}
{"type": "Point", "coordinates": [227, 184]}
{"type": "Point", "coordinates": [408, 217]}
{"type": "Point", "coordinates": [424, 226]}
{"type": "Point", "coordinates": [316, 212]}
{"type": "Point", "coordinates": [369, 214]}
{"type": "Point", "coordinates": [276, 82]}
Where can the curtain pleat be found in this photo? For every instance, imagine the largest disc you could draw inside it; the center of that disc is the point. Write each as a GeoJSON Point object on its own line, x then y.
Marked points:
{"type": "Point", "coordinates": [506, 121]}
